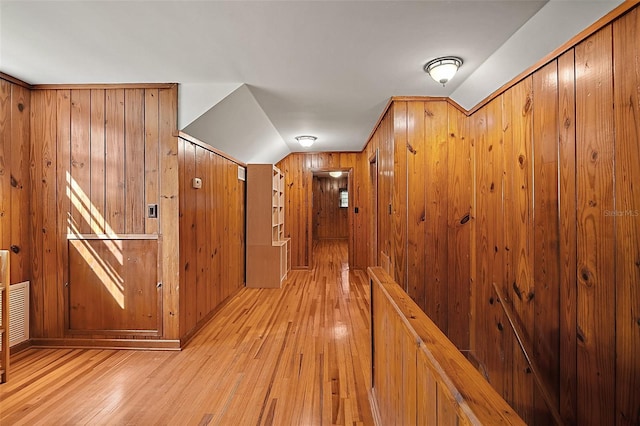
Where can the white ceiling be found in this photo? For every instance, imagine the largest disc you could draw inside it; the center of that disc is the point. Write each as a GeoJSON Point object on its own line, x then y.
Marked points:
{"type": "Point", "coordinates": [325, 68]}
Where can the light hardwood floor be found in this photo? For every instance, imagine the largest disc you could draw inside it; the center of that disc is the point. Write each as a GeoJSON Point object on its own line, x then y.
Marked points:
{"type": "Point", "coordinates": [299, 355]}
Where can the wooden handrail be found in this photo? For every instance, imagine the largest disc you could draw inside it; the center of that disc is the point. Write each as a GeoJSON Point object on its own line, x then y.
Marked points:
{"type": "Point", "coordinates": [420, 377]}
{"type": "Point", "coordinates": [546, 395]}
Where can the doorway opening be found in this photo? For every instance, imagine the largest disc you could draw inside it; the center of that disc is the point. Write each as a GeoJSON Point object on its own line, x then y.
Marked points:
{"type": "Point", "coordinates": [332, 212]}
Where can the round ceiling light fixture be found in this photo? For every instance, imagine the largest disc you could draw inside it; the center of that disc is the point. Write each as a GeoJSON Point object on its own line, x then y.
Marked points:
{"type": "Point", "coordinates": [443, 69]}
{"type": "Point", "coordinates": [306, 141]}
{"type": "Point", "coordinates": [335, 174]}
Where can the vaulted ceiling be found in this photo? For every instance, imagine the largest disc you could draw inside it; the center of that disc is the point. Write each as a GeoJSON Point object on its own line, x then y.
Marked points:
{"type": "Point", "coordinates": [255, 74]}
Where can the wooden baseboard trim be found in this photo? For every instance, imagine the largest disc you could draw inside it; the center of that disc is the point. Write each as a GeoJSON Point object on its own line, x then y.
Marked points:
{"type": "Point", "coordinates": [134, 344]}
{"type": "Point", "coordinates": [20, 347]}
{"type": "Point", "coordinates": [375, 411]}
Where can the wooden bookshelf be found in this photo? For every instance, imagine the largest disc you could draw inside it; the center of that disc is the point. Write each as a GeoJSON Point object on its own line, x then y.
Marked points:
{"type": "Point", "coordinates": [267, 247]}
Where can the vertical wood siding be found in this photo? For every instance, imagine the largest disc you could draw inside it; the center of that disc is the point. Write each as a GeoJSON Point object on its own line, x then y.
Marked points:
{"type": "Point", "coordinates": [329, 219]}
{"type": "Point", "coordinates": [212, 229]}
{"type": "Point", "coordinates": [298, 170]}
{"type": "Point", "coordinates": [98, 156]}
{"type": "Point", "coordinates": [551, 166]}
{"type": "Point", "coordinates": [15, 182]}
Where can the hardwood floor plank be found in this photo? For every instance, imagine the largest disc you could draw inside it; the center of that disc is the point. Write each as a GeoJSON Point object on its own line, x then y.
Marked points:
{"type": "Point", "coordinates": [295, 355]}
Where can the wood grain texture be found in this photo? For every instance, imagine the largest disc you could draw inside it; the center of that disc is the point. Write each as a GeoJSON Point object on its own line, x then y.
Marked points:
{"type": "Point", "coordinates": [518, 206]}
{"type": "Point", "coordinates": [36, 293]}
{"type": "Point", "coordinates": [134, 144]}
{"type": "Point", "coordinates": [212, 231]}
{"type": "Point", "coordinates": [416, 204]}
{"type": "Point", "coordinates": [97, 162]}
{"type": "Point", "coordinates": [5, 164]}
{"type": "Point", "coordinates": [80, 171]}
{"type": "Point", "coordinates": [14, 178]}
{"type": "Point", "coordinates": [298, 169]}
{"type": "Point", "coordinates": [297, 355]}
{"type": "Point", "coordinates": [112, 286]}
{"type": "Point", "coordinates": [399, 195]}
{"type": "Point", "coordinates": [78, 157]}
{"type": "Point", "coordinates": [626, 48]}
{"type": "Point", "coordinates": [64, 202]}
{"type": "Point", "coordinates": [407, 343]}
{"type": "Point", "coordinates": [546, 269]}
{"type": "Point", "coordinates": [458, 238]}
{"type": "Point", "coordinates": [435, 182]}
{"type": "Point", "coordinates": [329, 219]}
{"type": "Point", "coordinates": [114, 155]}
{"type": "Point", "coordinates": [151, 156]}
{"type": "Point", "coordinates": [596, 229]}
{"type": "Point", "coordinates": [169, 210]}
{"type": "Point", "coordinates": [20, 184]}
{"type": "Point", "coordinates": [567, 211]}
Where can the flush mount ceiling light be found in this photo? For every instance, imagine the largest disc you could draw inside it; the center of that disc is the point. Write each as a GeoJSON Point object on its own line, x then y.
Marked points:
{"type": "Point", "coordinates": [335, 174]}
{"type": "Point", "coordinates": [443, 69]}
{"type": "Point", "coordinates": [306, 141]}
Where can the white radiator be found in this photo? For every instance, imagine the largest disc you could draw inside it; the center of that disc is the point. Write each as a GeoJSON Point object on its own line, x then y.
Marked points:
{"type": "Point", "coordinates": [18, 313]}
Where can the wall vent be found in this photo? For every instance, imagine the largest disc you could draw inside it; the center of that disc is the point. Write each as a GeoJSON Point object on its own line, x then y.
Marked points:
{"type": "Point", "coordinates": [18, 313]}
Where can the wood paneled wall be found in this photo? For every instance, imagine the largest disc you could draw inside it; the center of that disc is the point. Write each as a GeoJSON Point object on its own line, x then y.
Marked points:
{"type": "Point", "coordinates": [423, 205]}
{"type": "Point", "coordinates": [298, 169]}
{"type": "Point", "coordinates": [15, 186]}
{"type": "Point", "coordinates": [329, 219]}
{"type": "Point", "coordinates": [555, 223]}
{"type": "Point", "coordinates": [534, 191]}
{"type": "Point", "coordinates": [99, 156]}
{"type": "Point", "coordinates": [212, 233]}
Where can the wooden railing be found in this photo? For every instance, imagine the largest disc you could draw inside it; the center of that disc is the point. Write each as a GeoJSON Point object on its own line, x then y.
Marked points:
{"type": "Point", "coordinates": [4, 321]}
{"type": "Point", "coordinates": [418, 375]}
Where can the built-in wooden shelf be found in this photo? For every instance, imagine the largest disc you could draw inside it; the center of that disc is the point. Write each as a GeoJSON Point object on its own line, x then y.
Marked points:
{"type": "Point", "coordinates": [267, 247]}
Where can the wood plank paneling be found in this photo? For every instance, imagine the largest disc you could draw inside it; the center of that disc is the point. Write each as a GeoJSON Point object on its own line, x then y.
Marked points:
{"type": "Point", "coordinates": [436, 199]}
{"type": "Point", "coordinates": [298, 169]}
{"type": "Point", "coordinates": [169, 210]}
{"type": "Point", "coordinates": [134, 161]}
{"type": "Point", "coordinates": [39, 102]}
{"type": "Point", "coordinates": [200, 262]}
{"type": "Point", "coordinates": [114, 154]}
{"type": "Point", "coordinates": [188, 235]}
{"type": "Point", "coordinates": [80, 171]}
{"type": "Point", "coordinates": [329, 219]}
{"type": "Point", "coordinates": [546, 269]}
{"type": "Point", "coordinates": [399, 194]}
{"type": "Point", "coordinates": [416, 204]}
{"type": "Point", "coordinates": [458, 237]}
{"type": "Point", "coordinates": [567, 211]}
{"type": "Point", "coordinates": [212, 228]}
{"type": "Point", "coordinates": [518, 228]}
{"type": "Point", "coordinates": [15, 229]}
{"type": "Point", "coordinates": [151, 156]}
{"type": "Point", "coordinates": [626, 38]}
{"type": "Point", "coordinates": [97, 162]}
{"type": "Point", "coordinates": [78, 157]}
{"type": "Point", "coordinates": [499, 338]}
{"type": "Point", "coordinates": [596, 242]}
{"type": "Point", "coordinates": [64, 198]}
{"type": "Point", "coordinates": [20, 247]}
{"type": "Point", "coordinates": [112, 286]}
{"type": "Point", "coordinates": [57, 209]}
{"type": "Point", "coordinates": [5, 164]}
